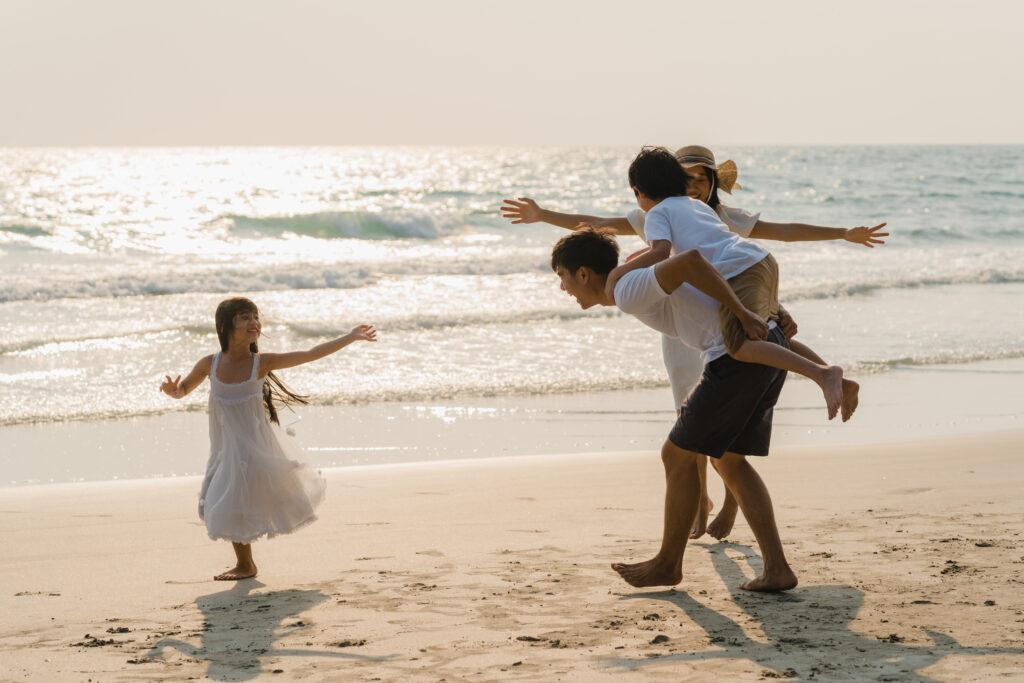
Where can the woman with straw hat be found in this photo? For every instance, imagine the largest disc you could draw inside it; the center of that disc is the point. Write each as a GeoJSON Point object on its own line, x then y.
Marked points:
{"type": "Point", "coordinates": [705, 177]}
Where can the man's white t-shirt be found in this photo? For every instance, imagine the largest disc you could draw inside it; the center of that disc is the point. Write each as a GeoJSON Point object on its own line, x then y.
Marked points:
{"type": "Point", "coordinates": [686, 314]}
{"type": "Point", "coordinates": [689, 223]}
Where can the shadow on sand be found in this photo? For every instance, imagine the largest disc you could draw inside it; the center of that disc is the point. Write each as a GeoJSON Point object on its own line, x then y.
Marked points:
{"type": "Point", "coordinates": [807, 629]}
{"type": "Point", "coordinates": [239, 630]}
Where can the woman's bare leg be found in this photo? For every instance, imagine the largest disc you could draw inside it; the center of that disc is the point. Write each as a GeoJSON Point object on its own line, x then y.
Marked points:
{"type": "Point", "coordinates": [245, 568]}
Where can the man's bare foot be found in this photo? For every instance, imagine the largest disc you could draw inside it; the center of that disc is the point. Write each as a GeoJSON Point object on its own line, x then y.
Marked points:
{"type": "Point", "coordinates": [238, 573]}
{"type": "Point", "coordinates": [851, 397]}
{"type": "Point", "coordinates": [700, 522]}
{"type": "Point", "coordinates": [831, 383]}
{"type": "Point", "coordinates": [778, 581]}
{"type": "Point", "coordinates": [721, 525]}
{"type": "Point", "coordinates": [650, 573]}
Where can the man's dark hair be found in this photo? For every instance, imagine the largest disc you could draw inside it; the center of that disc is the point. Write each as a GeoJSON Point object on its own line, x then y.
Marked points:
{"type": "Point", "coordinates": [594, 249]}
{"type": "Point", "coordinates": [657, 174]}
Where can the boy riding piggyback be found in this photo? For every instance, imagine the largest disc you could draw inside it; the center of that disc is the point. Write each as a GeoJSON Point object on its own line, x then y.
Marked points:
{"type": "Point", "coordinates": [677, 223]}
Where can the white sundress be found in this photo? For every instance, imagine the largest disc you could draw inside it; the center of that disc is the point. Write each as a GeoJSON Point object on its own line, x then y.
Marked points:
{"type": "Point", "coordinates": [256, 481]}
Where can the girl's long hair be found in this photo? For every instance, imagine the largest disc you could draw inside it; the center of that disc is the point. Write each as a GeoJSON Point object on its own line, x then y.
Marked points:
{"type": "Point", "coordinates": [273, 388]}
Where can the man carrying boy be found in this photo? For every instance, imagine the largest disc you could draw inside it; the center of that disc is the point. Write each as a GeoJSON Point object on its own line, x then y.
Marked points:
{"type": "Point", "coordinates": [727, 416]}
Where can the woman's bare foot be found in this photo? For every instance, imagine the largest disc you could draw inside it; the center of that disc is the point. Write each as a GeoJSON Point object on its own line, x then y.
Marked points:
{"type": "Point", "coordinates": [653, 572]}
{"type": "Point", "coordinates": [781, 580]}
{"type": "Point", "coordinates": [238, 573]}
{"type": "Point", "coordinates": [721, 525]}
{"type": "Point", "coordinates": [851, 397]}
{"type": "Point", "coordinates": [700, 522]}
{"type": "Point", "coordinates": [831, 383]}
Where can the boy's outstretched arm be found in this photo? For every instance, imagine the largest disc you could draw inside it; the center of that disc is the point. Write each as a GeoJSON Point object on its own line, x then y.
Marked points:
{"type": "Point", "coordinates": [279, 361]}
{"type": "Point", "coordinates": [525, 210]}
{"type": "Point", "coordinates": [691, 268]}
{"type": "Point", "coordinates": [801, 232]}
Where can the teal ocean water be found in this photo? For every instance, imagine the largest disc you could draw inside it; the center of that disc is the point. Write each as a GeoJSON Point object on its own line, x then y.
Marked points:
{"type": "Point", "coordinates": [113, 260]}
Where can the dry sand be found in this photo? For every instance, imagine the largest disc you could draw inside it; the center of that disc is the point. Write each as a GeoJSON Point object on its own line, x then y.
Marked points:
{"type": "Point", "coordinates": [910, 559]}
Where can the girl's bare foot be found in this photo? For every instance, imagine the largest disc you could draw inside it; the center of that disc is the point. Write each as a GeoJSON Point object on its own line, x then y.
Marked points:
{"type": "Point", "coordinates": [700, 522]}
{"type": "Point", "coordinates": [781, 580]}
{"type": "Point", "coordinates": [851, 397]}
{"type": "Point", "coordinates": [831, 383]}
{"type": "Point", "coordinates": [653, 572]}
{"type": "Point", "coordinates": [238, 573]}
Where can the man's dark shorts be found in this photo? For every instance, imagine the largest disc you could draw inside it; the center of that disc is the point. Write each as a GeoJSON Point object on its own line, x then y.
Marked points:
{"type": "Point", "coordinates": [731, 407]}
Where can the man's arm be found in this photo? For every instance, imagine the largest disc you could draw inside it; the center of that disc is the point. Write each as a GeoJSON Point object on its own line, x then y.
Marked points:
{"type": "Point", "coordinates": [801, 232]}
{"type": "Point", "coordinates": [691, 268]}
{"type": "Point", "coordinates": [525, 210]}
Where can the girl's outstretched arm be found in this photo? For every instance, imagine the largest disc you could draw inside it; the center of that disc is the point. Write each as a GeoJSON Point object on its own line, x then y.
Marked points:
{"type": "Point", "coordinates": [175, 388]}
{"type": "Point", "coordinates": [525, 210]}
{"type": "Point", "coordinates": [801, 232]}
{"type": "Point", "coordinates": [279, 361]}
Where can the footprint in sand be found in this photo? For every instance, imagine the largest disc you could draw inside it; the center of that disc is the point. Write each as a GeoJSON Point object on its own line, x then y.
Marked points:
{"type": "Point", "coordinates": [432, 553]}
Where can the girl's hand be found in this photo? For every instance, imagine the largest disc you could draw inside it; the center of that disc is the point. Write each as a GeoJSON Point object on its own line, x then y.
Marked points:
{"type": "Point", "coordinates": [866, 236]}
{"type": "Point", "coordinates": [363, 333]}
{"type": "Point", "coordinates": [753, 325]}
{"type": "Point", "coordinates": [171, 386]}
{"type": "Point", "coordinates": [523, 211]}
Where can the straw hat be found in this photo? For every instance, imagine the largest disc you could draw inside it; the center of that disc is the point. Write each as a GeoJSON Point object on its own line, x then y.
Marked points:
{"type": "Point", "coordinates": [695, 155]}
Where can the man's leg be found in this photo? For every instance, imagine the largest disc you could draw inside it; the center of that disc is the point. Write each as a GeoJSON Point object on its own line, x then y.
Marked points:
{"type": "Point", "coordinates": [682, 494]}
{"type": "Point", "coordinates": [756, 504]}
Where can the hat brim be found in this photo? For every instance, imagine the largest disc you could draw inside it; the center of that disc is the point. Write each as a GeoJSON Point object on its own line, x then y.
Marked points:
{"type": "Point", "coordinates": [727, 173]}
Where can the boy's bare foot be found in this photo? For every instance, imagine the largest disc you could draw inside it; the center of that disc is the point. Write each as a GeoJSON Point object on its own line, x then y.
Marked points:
{"type": "Point", "coordinates": [238, 573]}
{"type": "Point", "coordinates": [831, 384]}
{"type": "Point", "coordinates": [721, 525]}
{"type": "Point", "coordinates": [851, 398]}
{"type": "Point", "coordinates": [778, 581]}
{"type": "Point", "coordinates": [650, 573]}
{"type": "Point", "coordinates": [700, 522]}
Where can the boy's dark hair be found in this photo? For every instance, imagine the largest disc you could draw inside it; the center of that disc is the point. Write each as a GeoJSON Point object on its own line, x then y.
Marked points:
{"type": "Point", "coordinates": [657, 174]}
{"type": "Point", "coordinates": [594, 249]}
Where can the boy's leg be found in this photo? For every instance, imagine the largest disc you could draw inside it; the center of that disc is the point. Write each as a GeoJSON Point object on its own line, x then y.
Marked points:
{"type": "Point", "coordinates": [682, 494]}
{"type": "Point", "coordinates": [753, 498]}
{"type": "Point", "coordinates": [245, 568]}
{"type": "Point", "coordinates": [828, 377]}
{"type": "Point", "coordinates": [851, 389]}
{"type": "Point", "coordinates": [700, 522]}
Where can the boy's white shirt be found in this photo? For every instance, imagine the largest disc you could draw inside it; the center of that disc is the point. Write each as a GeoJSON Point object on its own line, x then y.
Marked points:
{"type": "Point", "coordinates": [691, 224]}
{"type": "Point", "coordinates": [740, 221]}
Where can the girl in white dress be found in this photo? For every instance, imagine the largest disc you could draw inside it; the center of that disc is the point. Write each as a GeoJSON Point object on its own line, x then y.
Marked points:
{"type": "Point", "coordinates": [256, 481]}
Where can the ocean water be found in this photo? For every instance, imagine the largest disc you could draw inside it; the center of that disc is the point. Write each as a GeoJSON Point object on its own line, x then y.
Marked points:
{"type": "Point", "coordinates": [112, 262]}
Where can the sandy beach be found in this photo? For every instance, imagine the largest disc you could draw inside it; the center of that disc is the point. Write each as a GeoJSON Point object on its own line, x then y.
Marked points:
{"type": "Point", "coordinates": [909, 557]}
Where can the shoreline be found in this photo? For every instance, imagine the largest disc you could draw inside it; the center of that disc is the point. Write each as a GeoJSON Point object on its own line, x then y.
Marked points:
{"type": "Point", "coordinates": [911, 402]}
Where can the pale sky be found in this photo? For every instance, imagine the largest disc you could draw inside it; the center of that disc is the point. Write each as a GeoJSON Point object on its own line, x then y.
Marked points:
{"type": "Point", "coordinates": [551, 72]}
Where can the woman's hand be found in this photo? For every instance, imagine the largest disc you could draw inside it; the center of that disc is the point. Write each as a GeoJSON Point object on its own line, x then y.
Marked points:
{"type": "Point", "coordinates": [866, 236]}
{"type": "Point", "coordinates": [363, 333]}
{"type": "Point", "coordinates": [523, 211]}
{"type": "Point", "coordinates": [637, 253]}
{"type": "Point", "coordinates": [786, 322]}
